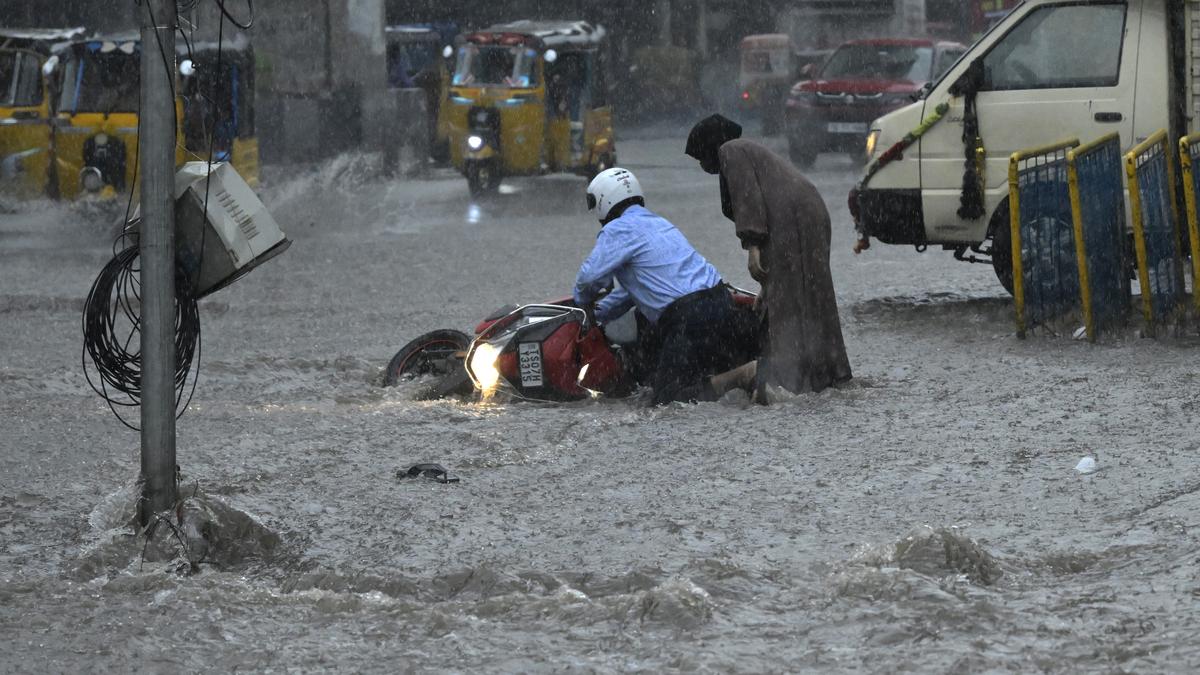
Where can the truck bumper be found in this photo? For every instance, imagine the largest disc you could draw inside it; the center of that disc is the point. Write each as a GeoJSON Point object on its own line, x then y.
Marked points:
{"type": "Point", "coordinates": [891, 216]}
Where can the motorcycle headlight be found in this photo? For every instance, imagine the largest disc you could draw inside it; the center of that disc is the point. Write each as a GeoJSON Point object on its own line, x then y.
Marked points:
{"type": "Point", "coordinates": [872, 142]}
{"type": "Point", "coordinates": [483, 367]}
{"type": "Point", "coordinates": [475, 142]}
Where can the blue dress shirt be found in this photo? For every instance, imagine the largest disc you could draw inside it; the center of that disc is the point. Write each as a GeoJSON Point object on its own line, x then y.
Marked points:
{"type": "Point", "coordinates": [651, 259]}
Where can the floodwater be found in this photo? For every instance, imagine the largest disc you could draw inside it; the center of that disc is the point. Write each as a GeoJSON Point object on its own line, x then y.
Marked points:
{"type": "Point", "coordinates": [925, 518]}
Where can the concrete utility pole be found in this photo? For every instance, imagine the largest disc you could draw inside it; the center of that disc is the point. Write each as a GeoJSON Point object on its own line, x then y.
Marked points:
{"type": "Point", "coordinates": [156, 156]}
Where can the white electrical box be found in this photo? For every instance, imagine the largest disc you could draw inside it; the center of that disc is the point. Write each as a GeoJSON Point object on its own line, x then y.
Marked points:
{"type": "Point", "coordinates": [218, 243]}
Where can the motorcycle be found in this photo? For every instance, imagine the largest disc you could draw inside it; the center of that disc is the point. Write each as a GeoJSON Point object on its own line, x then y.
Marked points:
{"type": "Point", "coordinates": [552, 351]}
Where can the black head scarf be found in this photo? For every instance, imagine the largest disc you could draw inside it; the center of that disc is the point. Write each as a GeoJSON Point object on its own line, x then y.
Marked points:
{"type": "Point", "coordinates": [707, 137]}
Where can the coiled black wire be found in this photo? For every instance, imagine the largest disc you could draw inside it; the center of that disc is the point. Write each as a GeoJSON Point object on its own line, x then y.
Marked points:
{"type": "Point", "coordinates": [112, 312]}
{"type": "Point", "coordinates": [112, 334]}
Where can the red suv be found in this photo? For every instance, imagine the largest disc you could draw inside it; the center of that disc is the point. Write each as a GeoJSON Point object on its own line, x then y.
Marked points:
{"type": "Point", "coordinates": [861, 81]}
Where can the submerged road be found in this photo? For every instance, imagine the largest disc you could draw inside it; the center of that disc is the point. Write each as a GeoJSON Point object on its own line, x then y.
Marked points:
{"type": "Point", "coordinates": [926, 517]}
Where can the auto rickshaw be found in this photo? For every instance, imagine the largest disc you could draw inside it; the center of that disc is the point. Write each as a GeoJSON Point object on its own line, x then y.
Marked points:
{"type": "Point", "coordinates": [415, 61]}
{"type": "Point", "coordinates": [530, 98]}
{"type": "Point", "coordinates": [768, 71]}
{"type": "Point", "coordinates": [218, 105]}
{"type": "Point", "coordinates": [96, 129]}
{"type": "Point", "coordinates": [26, 110]}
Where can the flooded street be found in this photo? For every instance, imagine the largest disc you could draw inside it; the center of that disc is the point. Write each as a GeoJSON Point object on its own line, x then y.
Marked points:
{"type": "Point", "coordinates": [927, 517]}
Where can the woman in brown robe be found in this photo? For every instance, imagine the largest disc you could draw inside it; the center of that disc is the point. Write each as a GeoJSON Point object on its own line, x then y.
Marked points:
{"type": "Point", "coordinates": [782, 222]}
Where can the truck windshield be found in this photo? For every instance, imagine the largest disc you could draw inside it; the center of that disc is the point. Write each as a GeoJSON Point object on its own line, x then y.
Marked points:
{"type": "Point", "coordinates": [20, 79]}
{"type": "Point", "coordinates": [498, 66]}
{"type": "Point", "coordinates": [103, 83]}
{"type": "Point", "coordinates": [879, 62]}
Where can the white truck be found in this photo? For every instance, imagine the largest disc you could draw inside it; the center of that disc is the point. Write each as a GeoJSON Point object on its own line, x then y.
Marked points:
{"type": "Point", "coordinates": [1052, 69]}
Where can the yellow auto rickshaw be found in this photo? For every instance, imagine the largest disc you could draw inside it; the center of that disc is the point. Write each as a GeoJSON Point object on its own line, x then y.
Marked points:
{"type": "Point", "coordinates": [26, 110]}
{"type": "Point", "coordinates": [96, 127]}
{"type": "Point", "coordinates": [530, 98]}
{"type": "Point", "coordinates": [218, 105]}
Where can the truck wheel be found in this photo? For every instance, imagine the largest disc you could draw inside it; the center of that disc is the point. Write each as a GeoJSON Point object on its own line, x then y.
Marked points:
{"type": "Point", "coordinates": [802, 155]}
{"type": "Point", "coordinates": [431, 354]}
{"type": "Point", "coordinates": [1002, 260]}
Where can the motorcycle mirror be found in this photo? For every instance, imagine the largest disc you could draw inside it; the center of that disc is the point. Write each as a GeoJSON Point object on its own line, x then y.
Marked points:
{"type": "Point", "coordinates": [447, 52]}
{"type": "Point", "coordinates": [551, 56]}
{"type": "Point", "coordinates": [187, 68]}
{"type": "Point", "coordinates": [50, 66]}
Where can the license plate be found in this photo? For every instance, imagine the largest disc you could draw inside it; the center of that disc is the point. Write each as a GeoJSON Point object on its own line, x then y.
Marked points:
{"type": "Point", "coordinates": [847, 128]}
{"type": "Point", "coordinates": [529, 355]}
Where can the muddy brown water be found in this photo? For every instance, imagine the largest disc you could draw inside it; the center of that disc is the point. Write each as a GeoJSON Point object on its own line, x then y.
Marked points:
{"type": "Point", "coordinates": [925, 518]}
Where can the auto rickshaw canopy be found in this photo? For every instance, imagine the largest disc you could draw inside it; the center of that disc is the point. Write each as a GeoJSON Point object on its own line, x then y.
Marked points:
{"type": "Point", "coordinates": [558, 35]}
{"type": "Point", "coordinates": [37, 39]}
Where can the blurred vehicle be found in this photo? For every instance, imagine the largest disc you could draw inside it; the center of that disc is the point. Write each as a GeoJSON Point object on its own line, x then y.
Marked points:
{"type": "Point", "coordinates": [96, 120]}
{"type": "Point", "coordinates": [662, 79]}
{"type": "Point", "coordinates": [26, 110]}
{"type": "Point", "coordinates": [530, 98]}
{"type": "Point", "coordinates": [1050, 70]}
{"type": "Point", "coordinates": [768, 69]}
{"type": "Point", "coordinates": [861, 81]}
{"type": "Point", "coordinates": [218, 105]}
{"type": "Point", "coordinates": [415, 59]}
{"type": "Point", "coordinates": [544, 352]}
{"type": "Point", "coordinates": [987, 13]}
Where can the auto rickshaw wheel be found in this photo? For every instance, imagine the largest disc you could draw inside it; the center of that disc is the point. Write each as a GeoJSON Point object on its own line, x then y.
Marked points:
{"type": "Point", "coordinates": [603, 163]}
{"type": "Point", "coordinates": [483, 178]}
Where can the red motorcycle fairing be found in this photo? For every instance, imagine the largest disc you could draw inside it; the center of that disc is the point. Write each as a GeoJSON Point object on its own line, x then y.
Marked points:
{"type": "Point", "coordinates": [564, 354]}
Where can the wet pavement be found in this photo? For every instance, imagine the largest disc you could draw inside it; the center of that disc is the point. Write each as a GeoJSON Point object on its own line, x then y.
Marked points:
{"type": "Point", "coordinates": [926, 517]}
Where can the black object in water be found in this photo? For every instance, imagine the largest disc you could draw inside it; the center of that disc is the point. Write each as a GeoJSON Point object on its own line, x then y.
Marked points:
{"type": "Point", "coordinates": [434, 471]}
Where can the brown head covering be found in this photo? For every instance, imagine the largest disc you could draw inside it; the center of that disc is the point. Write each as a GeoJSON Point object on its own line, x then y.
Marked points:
{"type": "Point", "coordinates": [707, 137]}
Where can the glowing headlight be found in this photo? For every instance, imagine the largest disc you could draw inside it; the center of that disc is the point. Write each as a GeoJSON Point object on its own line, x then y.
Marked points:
{"type": "Point", "coordinates": [91, 179]}
{"type": "Point", "coordinates": [483, 366]}
{"type": "Point", "coordinates": [474, 142]}
{"type": "Point", "coordinates": [872, 142]}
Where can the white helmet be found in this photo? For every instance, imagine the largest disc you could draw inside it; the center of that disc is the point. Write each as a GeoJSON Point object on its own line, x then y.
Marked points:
{"type": "Point", "coordinates": [611, 187]}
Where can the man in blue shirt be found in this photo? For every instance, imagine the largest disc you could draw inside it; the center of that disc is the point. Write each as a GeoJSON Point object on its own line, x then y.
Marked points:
{"type": "Point", "coordinates": [678, 292]}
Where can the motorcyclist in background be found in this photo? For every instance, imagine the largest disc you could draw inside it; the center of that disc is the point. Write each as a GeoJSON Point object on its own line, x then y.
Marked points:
{"type": "Point", "coordinates": [693, 328]}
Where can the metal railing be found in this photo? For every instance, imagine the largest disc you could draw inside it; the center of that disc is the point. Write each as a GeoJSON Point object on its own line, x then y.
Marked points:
{"type": "Point", "coordinates": [1098, 216]}
{"type": "Point", "coordinates": [1044, 285]}
{"type": "Point", "coordinates": [1151, 174]}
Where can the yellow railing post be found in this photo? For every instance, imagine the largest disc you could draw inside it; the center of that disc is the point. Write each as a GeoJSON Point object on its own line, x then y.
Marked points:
{"type": "Point", "coordinates": [1014, 222]}
{"type": "Point", "coordinates": [1193, 222]}
{"type": "Point", "coordinates": [1139, 233]}
{"type": "Point", "coordinates": [1085, 286]}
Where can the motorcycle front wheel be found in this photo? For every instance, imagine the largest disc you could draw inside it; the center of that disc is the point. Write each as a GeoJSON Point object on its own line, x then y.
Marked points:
{"type": "Point", "coordinates": [436, 353]}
